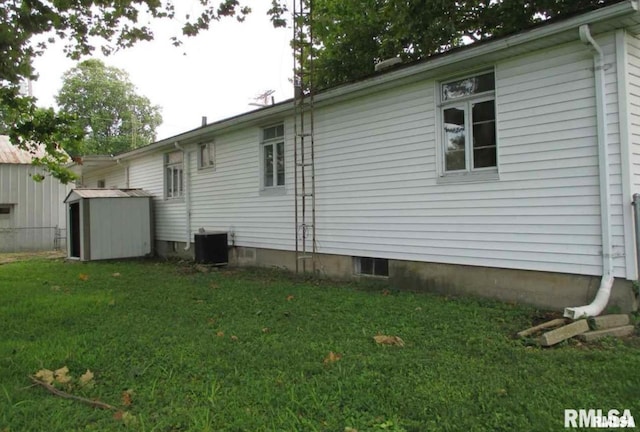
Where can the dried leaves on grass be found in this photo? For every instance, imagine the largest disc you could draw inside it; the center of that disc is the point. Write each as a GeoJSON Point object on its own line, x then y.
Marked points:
{"type": "Point", "coordinates": [389, 340]}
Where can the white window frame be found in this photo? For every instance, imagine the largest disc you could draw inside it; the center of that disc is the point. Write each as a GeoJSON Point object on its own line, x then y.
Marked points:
{"type": "Point", "coordinates": [273, 143]}
{"type": "Point", "coordinates": [173, 176]}
{"type": "Point", "coordinates": [469, 173]}
{"type": "Point", "coordinates": [207, 155]}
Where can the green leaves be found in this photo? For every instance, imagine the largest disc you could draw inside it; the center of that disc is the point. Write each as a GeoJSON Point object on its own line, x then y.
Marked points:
{"type": "Point", "coordinates": [351, 36]}
{"type": "Point", "coordinates": [26, 30]}
{"type": "Point", "coordinates": [107, 108]}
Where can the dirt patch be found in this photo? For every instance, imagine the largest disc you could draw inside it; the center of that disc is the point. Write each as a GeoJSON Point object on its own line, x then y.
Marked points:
{"type": "Point", "coordinates": [6, 258]}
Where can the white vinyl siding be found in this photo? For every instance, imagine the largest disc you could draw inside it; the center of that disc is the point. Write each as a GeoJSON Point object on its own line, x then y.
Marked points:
{"type": "Point", "coordinates": [147, 173]}
{"type": "Point", "coordinates": [114, 177]}
{"type": "Point", "coordinates": [376, 194]}
{"type": "Point", "coordinates": [377, 189]}
{"type": "Point", "coordinates": [229, 198]}
{"type": "Point", "coordinates": [633, 68]}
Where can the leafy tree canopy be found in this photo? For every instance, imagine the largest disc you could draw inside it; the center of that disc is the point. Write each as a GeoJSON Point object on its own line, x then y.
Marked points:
{"type": "Point", "coordinates": [105, 103]}
{"type": "Point", "coordinates": [350, 36]}
{"type": "Point", "coordinates": [27, 27]}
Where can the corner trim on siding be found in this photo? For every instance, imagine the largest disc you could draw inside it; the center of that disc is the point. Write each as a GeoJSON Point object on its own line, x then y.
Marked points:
{"type": "Point", "coordinates": [625, 152]}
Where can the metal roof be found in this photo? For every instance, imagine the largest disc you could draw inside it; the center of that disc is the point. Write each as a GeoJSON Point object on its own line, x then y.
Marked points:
{"type": "Point", "coordinates": [10, 154]}
{"type": "Point", "coordinates": [108, 193]}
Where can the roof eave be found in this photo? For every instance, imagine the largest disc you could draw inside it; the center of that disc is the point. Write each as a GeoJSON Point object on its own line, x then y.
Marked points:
{"type": "Point", "coordinates": [401, 74]}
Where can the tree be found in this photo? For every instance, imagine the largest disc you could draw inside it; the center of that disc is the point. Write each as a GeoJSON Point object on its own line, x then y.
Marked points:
{"type": "Point", "coordinates": [27, 27]}
{"type": "Point", "coordinates": [351, 36]}
{"type": "Point", "coordinates": [114, 117]}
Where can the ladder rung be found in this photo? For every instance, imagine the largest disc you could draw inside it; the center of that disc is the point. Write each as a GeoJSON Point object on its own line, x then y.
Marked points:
{"type": "Point", "coordinates": [300, 164]}
{"type": "Point", "coordinates": [303, 135]}
{"type": "Point", "coordinates": [302, 195]}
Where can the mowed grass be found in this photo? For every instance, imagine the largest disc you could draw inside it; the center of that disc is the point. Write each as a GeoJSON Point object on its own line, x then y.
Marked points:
{"type": "Point", "coordinates": [238, 350]}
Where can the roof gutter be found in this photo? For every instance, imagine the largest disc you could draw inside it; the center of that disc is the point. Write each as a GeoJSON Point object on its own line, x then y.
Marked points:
{"type": "Point", "coordinates": [604, 291]}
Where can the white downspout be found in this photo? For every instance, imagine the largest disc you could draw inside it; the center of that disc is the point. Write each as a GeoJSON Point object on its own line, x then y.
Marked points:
{"type": "Point", "coordinates": [602, 296]}
{"type": "Point", "coordinates": [187, 194]}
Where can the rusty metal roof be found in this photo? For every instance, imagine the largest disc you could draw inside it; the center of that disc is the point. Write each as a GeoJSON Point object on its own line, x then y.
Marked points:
{"type": "Point", "coordinates": [107, 193]}
{"type": "Point", "coordinates": [10, 154]}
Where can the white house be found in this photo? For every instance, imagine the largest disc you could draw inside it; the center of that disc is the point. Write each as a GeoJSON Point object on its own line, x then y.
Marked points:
{"type": "Point", "coordinates": [505, 169]}
{"type": "Point", "coordinates": [32, 214]}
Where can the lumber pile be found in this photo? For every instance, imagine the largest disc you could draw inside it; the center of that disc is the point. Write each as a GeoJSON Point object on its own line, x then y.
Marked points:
{"type": "Point", "coordinates": [587, 330]}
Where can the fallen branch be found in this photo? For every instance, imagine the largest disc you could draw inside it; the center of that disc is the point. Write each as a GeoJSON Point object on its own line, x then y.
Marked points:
{"type": "Point", "coordinates": [65, 395]}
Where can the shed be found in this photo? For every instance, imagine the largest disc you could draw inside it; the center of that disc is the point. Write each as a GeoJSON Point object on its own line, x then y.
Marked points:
{"type": "Point", "coordinates": [109, 224]}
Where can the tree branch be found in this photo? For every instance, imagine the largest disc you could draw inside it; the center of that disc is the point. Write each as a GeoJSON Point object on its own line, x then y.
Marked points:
{"type": "Point", "coordinates": [65, 395]}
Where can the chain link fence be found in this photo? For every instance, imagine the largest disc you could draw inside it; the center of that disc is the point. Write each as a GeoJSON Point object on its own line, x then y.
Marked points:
{"type": "Point", "coordinates": [32, 239]}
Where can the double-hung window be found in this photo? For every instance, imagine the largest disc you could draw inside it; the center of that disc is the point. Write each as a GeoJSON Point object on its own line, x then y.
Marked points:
{"type": "Point", "coordinates": [206, 155]}
{"type": "Point", "coordinates": [174, 178]}
{"type": "Point", "coordinates": [469, 124]}
{"type": "Point", "coordinates": [273, 156]}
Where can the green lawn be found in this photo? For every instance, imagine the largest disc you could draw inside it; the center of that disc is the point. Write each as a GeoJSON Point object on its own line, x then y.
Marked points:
{"type": "Point", "coordinates": [242, 350]}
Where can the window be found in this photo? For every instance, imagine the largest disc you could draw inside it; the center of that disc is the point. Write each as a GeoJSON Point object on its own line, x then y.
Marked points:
{"type": "Point", "coordinates": [174, 180]}
{"type": "Point", "coordinates": [5, 210]}
{"type": "Point", "coordinates": [371, 266]}
{"type": "Point", "coordinates": [206, 155]}
{"type": "Point", "coordinates": [273, 156]}
{"type": "Point", "coordinates": [469, 124]}
{"type": "Point", "coordinates": [101, 184]}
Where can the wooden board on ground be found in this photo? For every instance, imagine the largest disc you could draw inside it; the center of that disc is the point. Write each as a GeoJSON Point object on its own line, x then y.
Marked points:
{"type": "Point", "coordinates": [565, 332]}
{"type": "Point", "coordinates": [609, 321]}
{"type": "Point", "coordinates": [544, 326]}
{"type": "Point", "coordinates": [614, 332]}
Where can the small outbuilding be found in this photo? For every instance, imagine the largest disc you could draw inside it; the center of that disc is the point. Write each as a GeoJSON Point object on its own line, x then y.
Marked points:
{"type": "Point", "coordinates": [109, 224]}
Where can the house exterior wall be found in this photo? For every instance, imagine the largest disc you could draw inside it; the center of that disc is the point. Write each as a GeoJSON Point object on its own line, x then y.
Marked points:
{"type": "Point", "coordinates": [377, 179]}
{"type": "Point", "coordinates": [147, 173]}
{"type": "Point", "coordinates": [633, 76]}
{"type": "Point", "coordinates": [37, 209]}
{"type": "Point", "coordinates": [114, 177]}
{"type": "Point", "coordinates": [228, 197]}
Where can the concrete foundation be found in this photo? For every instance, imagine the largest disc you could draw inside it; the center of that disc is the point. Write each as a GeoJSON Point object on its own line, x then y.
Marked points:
{"type": "Point", "coordinates": [170, 249]}
{"type": "Point", "coordinates": [553, 291]}
{"type": "Point", "coordinates": [546, 290]}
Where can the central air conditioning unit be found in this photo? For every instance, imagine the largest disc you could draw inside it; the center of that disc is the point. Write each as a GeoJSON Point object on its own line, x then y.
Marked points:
{"type": "Point", "coordinates": [212, 248]}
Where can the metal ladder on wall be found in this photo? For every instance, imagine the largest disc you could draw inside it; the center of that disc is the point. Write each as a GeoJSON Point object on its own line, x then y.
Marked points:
{"type": "Point", "coordinates": [303, 153]}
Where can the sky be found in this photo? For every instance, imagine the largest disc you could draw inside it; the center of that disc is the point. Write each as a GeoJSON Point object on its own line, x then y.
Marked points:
{"type": "Point", "coordinates": [217, 74]}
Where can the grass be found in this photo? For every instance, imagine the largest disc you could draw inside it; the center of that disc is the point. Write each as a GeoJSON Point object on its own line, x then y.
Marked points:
{"type": "Point", "coordinates": [156, 330]}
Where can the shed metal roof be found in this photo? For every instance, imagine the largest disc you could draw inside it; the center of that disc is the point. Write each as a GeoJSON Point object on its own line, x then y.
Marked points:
{"type": "Point", "coordinates": [108, 193]}
{"type": "Point", "coordinates": [10, 154]}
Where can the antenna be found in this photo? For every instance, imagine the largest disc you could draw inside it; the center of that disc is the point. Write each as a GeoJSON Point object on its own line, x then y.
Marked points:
{"type": "Point", "coordinates": [263, 100]}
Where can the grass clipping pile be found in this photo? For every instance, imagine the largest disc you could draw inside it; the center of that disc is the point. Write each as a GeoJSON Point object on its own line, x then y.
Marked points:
{"type": "Point", "coordinates": [557, 330]}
